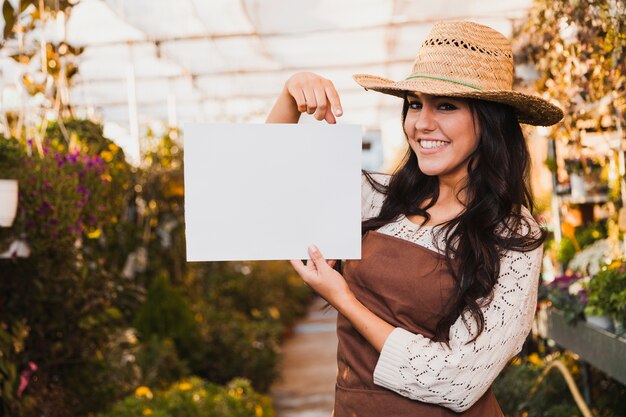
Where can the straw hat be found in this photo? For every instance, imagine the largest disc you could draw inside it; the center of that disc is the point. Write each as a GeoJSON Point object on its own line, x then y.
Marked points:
{"type": "Point", "coordinates": [465, 59]}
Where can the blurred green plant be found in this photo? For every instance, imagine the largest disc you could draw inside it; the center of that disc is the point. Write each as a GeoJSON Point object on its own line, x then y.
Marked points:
{"type": "Point", "coordinates": [193, 397]}
{"type": "Point", "coordinates": [566, 294]}
{"type": "Point", "coordinates": [578, 50]}
{"type": "Point", "coordinates": [583, 237]}
{"type": "Point", "coordinates": [514, 384]}
{"type": "Point", "coordinates": [607, 292]}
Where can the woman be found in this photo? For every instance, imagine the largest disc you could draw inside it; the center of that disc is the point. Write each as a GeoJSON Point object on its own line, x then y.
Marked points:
{"type": "Point", "coordinates": [445, 292]}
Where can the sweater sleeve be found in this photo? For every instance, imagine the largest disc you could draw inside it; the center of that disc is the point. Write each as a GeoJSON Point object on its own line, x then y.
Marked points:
{"type": "Point", "coordinates": [456, 377]}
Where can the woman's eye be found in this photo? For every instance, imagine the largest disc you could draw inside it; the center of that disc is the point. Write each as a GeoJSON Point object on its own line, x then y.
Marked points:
{"type": "Point", "coordinates": [447, 106]}
{"type": "Point", "coordinates": [415, 105]}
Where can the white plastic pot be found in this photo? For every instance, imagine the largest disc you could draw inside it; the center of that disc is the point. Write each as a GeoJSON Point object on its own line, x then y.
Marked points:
{"type": "Point", "coordinates": [577, 184]}
{"type": "Point", "coordinates": [8, 202]}
{"type": "Point", "coordinates": [603, 322]}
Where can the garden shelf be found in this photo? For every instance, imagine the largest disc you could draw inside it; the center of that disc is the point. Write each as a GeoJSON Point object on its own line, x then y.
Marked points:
{"type": "Point", "coordinates": [600, 348]}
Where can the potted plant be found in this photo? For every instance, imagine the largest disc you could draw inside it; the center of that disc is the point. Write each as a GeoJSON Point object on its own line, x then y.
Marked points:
{"type": "Point", "coordinates": [575, 170]}
{"type": "Point", "coordinates": [567, 295]}
{"type": "Point", "coordinates": [618, 301]}
{"type": "Point", "coordinates": [10, 153]}
{"type": "Point", "coordinates": [8, 202]}
{"type": "Point", "coordinates": [607, 294]}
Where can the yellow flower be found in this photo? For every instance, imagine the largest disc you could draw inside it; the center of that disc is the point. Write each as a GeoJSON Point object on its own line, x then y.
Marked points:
{"type": "Point", "coordinates": [106, 178]}
{"type": "Point", "coordinates": [236, 393]}
{"type": "Point", "coordinates": [184, 386]}
{"type": "Point", "coordinates": [107, 156]}
{"type": "Point", "coordinates": [274, 313]}
{"type": "Point", "coordinates": [258, 411]}
{"type": "Point", "coordinates": [147, 412]}
{"type": "Point", "coordinates": [143, 392]}
{"type": "Point", "coordinates": [113, 147]}
{"type": "Point", "coordinates": [535, 359]}
{"type": "Point", "coordinates": [94, 233]}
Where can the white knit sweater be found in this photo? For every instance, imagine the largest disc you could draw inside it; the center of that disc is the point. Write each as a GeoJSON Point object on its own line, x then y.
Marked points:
{"type": "Point", "coordinates": [456, 377]}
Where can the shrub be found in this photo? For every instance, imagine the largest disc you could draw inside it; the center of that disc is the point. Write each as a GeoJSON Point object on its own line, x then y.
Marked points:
{"type": "Point", "coordinates": [607, 292]}
{"type": "Point", "coordinates": [513, 386]}
{"type": "Point", "coordinates": [194, 397]}
{"type": "Point", "coordinates": [166, 314]}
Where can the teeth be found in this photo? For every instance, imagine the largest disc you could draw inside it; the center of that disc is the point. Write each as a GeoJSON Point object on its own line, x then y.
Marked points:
{"type": "Point", "coordinates": [431, 144]}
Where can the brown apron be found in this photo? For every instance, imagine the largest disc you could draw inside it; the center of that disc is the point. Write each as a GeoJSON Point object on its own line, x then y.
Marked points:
{"type": "Point", "coordinates": [407, 285]}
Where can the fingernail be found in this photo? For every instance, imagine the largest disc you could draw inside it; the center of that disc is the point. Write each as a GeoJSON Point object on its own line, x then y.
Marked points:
{"type": "Point", "coordinates": [338, 112]}
{"type": "Point", "coordinates": [312, 248]}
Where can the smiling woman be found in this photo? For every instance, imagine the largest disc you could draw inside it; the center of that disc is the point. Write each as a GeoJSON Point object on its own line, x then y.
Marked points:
{"type": "Point", "coordinates": [445, 291]}
{"type": "Point", "coordinates": [443, 134]}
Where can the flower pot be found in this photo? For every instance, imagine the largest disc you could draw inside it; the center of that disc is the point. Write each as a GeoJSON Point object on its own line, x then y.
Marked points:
{"type": "Point", "coordinates": [8, 202]}
{"type": "Point", "coordinates": [577, 184]}
{"type": "Point", "coordinates": [603, 322]}
{"type": "Point", "coordinates": [618, 325]}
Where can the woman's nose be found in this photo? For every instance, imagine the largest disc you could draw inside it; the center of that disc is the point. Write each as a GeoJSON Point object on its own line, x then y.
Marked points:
{"type": "Point", "coordinates": [425, 119]}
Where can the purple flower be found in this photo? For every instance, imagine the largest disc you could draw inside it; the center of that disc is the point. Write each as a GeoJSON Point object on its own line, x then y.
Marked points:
{"type": "Point", "coordinates": [44, 208]}
{"type": "Point", "coordinates": [60, 159]}
{"type": "Point", "coordinates": [83, 190]}
{"type": "Point", "coordinates": [564, 281]}
{"type": "Point", "coordinates": [77, 228]}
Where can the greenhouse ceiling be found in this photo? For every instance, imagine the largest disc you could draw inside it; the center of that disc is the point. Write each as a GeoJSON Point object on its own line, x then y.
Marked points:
{"type": "Point", "coordinates": [226, 60]}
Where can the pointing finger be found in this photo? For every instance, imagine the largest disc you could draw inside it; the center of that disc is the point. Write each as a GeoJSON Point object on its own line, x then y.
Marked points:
{"type": "Point", "coordinates": [333, 98]}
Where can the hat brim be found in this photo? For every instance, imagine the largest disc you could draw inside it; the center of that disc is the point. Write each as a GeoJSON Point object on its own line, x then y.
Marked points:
{"type": "Point", "coordinates": [530, 109]}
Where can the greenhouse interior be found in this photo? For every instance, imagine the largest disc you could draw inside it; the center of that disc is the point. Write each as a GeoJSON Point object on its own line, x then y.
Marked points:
{"type": "Point", "coordinates": [101, 314]}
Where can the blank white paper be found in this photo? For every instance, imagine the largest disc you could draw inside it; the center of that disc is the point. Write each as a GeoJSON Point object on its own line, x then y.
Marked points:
{"type": "Point", "coordinates": [268, 191]}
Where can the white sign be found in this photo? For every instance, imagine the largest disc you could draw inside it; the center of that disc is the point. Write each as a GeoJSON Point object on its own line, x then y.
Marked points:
{"type": "Point", "coordinates": [268, 191]}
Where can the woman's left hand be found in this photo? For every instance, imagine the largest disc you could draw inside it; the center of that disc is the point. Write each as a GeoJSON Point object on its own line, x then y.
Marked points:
{"type": "Point", "coordinates": [320, 275]}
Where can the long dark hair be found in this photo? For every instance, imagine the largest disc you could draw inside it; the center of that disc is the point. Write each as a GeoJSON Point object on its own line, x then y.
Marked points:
{"type": "Point", "coordinates": [496, 188]}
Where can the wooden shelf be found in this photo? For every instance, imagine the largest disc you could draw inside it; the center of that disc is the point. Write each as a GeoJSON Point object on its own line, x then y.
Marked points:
{"type": "Point", "coordinates": [600, 348]}
{"type": "Point", "coordinates": [591, 199]}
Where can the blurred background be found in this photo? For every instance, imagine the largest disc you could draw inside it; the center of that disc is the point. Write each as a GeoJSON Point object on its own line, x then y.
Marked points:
{"type": "Point", "coordinates": [99, 312]}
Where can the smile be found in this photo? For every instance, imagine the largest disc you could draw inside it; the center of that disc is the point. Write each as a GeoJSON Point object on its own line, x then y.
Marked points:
{"type": "Point", "coordinates": [432, 144]}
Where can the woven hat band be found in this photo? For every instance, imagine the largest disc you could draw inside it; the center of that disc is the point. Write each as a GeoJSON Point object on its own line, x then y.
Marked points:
{"type": "Point", "coordinates": [443, 79]}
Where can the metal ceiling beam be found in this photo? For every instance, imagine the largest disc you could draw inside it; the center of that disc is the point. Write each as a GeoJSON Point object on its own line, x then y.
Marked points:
{"type": "Point", "coordinates": [78, 81]}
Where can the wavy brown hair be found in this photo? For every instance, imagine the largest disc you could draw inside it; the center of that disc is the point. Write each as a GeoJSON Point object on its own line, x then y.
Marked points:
{"type": "Point", "coordinates": [496, 188]}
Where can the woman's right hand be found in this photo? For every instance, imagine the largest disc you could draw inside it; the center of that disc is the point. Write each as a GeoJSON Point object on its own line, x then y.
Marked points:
{"type": "Point", "coordinates": [306, 92]}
